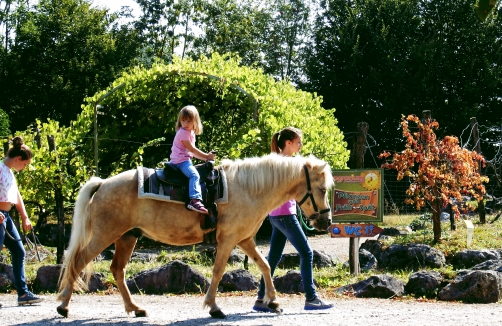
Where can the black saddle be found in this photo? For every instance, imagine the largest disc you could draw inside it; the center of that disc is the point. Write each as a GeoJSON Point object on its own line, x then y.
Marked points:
{"type": "Point", "coordinates": [171, 174]}
{"type": "Point", "coordinates": [211, 188]}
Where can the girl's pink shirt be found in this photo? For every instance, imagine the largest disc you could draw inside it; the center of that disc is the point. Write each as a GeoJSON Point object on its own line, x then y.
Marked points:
{"type": "Point", "coordinates": [8, 185]}
{"type": "Point", "coordinates": [179, 153]}
{"type": "Point", "coordinates": [288, 208]}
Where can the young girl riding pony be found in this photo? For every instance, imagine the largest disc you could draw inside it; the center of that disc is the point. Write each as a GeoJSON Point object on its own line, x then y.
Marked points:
{"type": "Point", "coordinates": [187, 127]}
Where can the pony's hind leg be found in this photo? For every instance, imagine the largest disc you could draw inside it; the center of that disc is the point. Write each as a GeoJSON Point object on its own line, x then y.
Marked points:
{"type": "Point", "coordinates": [70, 278]}
{"type": "Point", "coordinates": [249, 248]}
{"type": "Point", "coordinates": [124, 247]}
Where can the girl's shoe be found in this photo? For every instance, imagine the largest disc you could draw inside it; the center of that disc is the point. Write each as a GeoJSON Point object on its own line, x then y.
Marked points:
{"type": "Point", "coordinates": [317, 304]}
{"type": "Point", "coordinates": [28, 298]}
{"type": "Point", "coordinates": [196, 205]}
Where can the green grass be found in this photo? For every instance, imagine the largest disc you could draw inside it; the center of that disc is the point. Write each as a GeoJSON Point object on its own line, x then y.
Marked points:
{"type": "Point", "coordinates": [486, 236]}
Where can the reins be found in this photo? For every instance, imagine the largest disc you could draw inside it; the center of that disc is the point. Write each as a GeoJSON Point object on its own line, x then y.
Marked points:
{"type": "Point", "coordinates": [34, 243]}
{"type": "Point", "coordinates": [310, 195]}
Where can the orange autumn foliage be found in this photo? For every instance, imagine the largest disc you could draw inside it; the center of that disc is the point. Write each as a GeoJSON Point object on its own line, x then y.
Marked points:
{"type": "Point", "coordinates": [438, 169]}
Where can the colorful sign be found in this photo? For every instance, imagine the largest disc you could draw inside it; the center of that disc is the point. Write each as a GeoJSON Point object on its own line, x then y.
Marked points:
{"type": "Point", "coordinates": [357, 195]}
{"type": "Point", "coordinates": [353, 230]}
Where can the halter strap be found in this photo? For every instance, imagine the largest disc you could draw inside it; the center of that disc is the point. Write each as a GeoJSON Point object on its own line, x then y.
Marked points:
{"type": "Point", "coordinates": [309, 194]}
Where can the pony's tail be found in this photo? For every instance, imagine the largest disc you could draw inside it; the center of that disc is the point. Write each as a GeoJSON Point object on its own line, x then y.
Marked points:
{"type": "Point", "coordinates": [81, 233]}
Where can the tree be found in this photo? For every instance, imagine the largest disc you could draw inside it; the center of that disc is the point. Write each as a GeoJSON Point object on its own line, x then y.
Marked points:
{"type": "Point", "coordinates": [377, 59]}
{"type": "Point", "coordinates": [62, 52]}
{"type": "Point", "coordinates": [240, 108]}
{"type": "Point", "coordinates": [440, 170]}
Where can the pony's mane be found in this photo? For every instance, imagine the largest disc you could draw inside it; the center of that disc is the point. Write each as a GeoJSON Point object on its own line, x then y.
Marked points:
{"type": "Point", "coordinates": [258, 173]}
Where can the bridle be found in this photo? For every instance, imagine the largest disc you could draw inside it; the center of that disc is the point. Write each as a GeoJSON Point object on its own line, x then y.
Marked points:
{"type": "Point", "coordinates": [309, 195]}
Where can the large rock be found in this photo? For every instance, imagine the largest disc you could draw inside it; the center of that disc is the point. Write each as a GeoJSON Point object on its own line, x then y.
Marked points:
{"type": "Point", "coordinates": [174, 277]}
{"type": "Point", "coordinates": [238, 280]}
{"type": "Point", "coordinates": [377, 286]}
{"type": "Point", "coordinates": [5, 283]}
{"type": "Point", "coordinates": [468, 258]}
{"type": "Point", "coordinates": [489, 265]}
{"type": "Point", "coordinates": [424, 283]}
{"type": "Point", "coordinates": [413, 256]}
{"type": "Point", "coordinates": [373, 246]}
{"type": "Point", "coordinates": [319, 260]}
{"type": "Point", "coordinates": [48, 276]}
{"type": "Point", "coordinates": [7, 270]}
{"type": "Point", "coordinates": [290, 283]}
{"type": "Point", "coordinates": [367, 261]}
{"type": "Point", "coordinates": [473, 287]}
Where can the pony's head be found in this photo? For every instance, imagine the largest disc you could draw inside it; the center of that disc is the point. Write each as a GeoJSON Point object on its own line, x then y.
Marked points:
{"type": "Point", "coordinates": [315, 202]}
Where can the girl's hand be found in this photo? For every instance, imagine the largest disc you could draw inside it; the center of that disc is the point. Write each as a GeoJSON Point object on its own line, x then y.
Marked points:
{"type": "Point", "coordinates": [27, 225]}
{"type": "Point", "coordinates": [210, 156]}
{"type": "Point", "coordinates": [2, 218]}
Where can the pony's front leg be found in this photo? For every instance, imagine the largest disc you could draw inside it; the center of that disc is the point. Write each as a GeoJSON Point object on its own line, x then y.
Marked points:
{"type": "Point", "coordinates": [249, 248]}
{"type": "Point", "coordinates": [222, 254]}
{"type": "Point", "coordinates": [124, 247]}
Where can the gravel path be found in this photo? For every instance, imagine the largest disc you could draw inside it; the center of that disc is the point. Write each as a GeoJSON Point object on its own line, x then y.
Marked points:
{"type": "Point", "coordinates": [187, 310]}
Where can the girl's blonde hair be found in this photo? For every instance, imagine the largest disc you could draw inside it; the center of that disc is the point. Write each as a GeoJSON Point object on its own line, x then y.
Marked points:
{"type": "Point", "coordinates": [190, 112]}
{"type": "Point", "coordinates": [279, 138]}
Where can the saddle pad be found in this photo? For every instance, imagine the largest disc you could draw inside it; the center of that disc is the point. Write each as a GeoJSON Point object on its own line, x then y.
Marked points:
{"type": "Point", "coordinates": [150, 187]}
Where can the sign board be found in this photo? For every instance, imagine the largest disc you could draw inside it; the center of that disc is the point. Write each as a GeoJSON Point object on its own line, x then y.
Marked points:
{"type": "Point", "coordinates": [357, 195]}
{"type": "Point", "coordinates": [354, 230]}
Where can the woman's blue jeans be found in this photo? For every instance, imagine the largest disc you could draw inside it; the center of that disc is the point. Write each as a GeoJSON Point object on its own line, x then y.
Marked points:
{"type": "Point", "coordinates": [190, 171]}
{"type": "Point", "coordinates": [287, 227]}
{"type": "Point", "coordinates": [16, 251]}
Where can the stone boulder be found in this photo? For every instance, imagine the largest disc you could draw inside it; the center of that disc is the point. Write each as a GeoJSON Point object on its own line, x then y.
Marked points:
{"type": "Point", "coordinates": [5, 283]}
{"type": "Point", "coordinates": [412, 256]}
{"type": "Point", "coordinates": [320, 260]}
{"type": "Point", "coordinates": [48, 276]}
{"type": "Point", "coordinates": [238, 280]}
{"type": "Point", "coordinates": [234, 258]}
{"type": "Point", "coordinates": [290, 283]}
{"type": "Point", "coordinates": [468, 258]}
{"type": "Point", "coordinates": [174, 277]}
{"type": "Point", "coordinates": [377, 286]}
{"type": "Point", "coordinates": [7, 270]}
{"type": "Point", "coordinates": [489, 265]}
{"type": "Point", "coordinates": [367, 261]}
{"type": "Point", "coordinates": [474, 287]}
{"type": "Point", "coordinates": [424, 283]}
{"type": "Point", "coordinates": [373, 246]}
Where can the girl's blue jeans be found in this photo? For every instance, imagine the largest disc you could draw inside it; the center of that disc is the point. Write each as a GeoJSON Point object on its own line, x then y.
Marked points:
{"type": "Point", "coordinates": [287, 227]}
{"type": "Point", "coordinates": [16, 251]}
{"type": "Point", "coordinates": [190, 171]}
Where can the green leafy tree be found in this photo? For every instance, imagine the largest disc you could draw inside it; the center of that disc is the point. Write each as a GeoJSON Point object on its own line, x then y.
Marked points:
{"type": "Point", "coordinates": [240, 108]}
{"type": "Point", "coordinates": [374, 59]}
{"type": "Point", "coordinates": [62, 52]}
{"type": "Point", "coordinates": [62, 168]}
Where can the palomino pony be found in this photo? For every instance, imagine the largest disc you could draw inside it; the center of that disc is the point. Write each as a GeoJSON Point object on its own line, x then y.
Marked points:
{"type": "Point", "coordinates": [109, 211]}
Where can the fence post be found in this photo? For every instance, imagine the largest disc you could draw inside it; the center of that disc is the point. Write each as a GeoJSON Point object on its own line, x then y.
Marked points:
{"type": "Point", "coordinates": [357, 160]}
{"type": "Point", "coordinates": [59, 207]}
{"type": "Point", "coordinates": [477, 148]}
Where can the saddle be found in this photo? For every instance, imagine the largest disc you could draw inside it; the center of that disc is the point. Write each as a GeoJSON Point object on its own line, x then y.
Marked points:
{"type": "Point", "coordinates": [210, 185]}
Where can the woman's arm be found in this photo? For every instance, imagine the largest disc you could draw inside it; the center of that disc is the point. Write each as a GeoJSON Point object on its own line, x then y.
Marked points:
{"type": "Point", "coordinates": [22, 211]}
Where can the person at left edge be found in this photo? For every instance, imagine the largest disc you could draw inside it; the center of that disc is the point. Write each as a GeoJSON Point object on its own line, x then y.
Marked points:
{"type": "Point", "coordinates": [18, 157]}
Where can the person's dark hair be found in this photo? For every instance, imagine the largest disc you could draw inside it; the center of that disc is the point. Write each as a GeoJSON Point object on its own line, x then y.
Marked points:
{"type": "Point", "coordinates": [279, 138]}
{"type": "Point", "coordinates": [19, 149]}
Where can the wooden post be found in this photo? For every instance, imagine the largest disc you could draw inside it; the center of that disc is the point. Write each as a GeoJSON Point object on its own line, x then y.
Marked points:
{"type": "Point", "coordinates": [37, 137]}
{"type": "Point", "coordinates": [59, 207]}
{"type": "Point", "coordinates": [357, 159]}
{"type": "Point", "coordinates": [477, 148]}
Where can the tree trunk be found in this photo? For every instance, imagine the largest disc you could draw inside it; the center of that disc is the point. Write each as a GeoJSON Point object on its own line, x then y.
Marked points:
{"type": "Point", "coordinates": [436, 220]}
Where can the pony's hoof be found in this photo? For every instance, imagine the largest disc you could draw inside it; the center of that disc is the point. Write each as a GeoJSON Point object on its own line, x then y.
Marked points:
{"type": "Point", "coordinates": [141, 313]}
{"type": "Point", "coordinates": [274, 307]}
{"type": "Point", "coordinates": [63, 311]}
{"type": "Point", "coordinates": [218, 314]}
